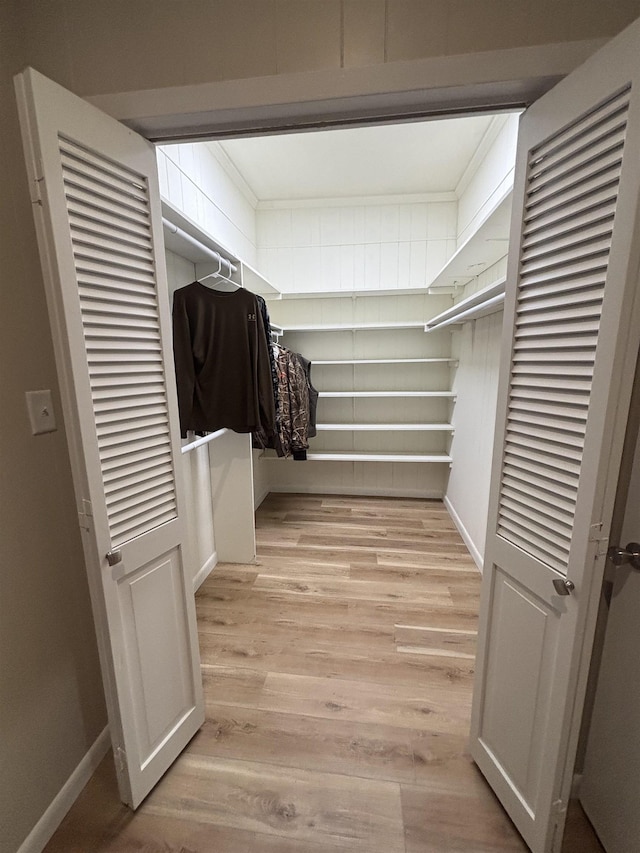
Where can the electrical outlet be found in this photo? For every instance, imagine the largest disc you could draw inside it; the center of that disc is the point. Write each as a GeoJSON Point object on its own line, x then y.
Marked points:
{"type": "Point", "coordinates": [41, 414]}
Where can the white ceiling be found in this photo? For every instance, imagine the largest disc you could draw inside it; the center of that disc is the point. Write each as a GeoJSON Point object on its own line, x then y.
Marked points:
{"type": "Point", "coordinates": [417, 157]}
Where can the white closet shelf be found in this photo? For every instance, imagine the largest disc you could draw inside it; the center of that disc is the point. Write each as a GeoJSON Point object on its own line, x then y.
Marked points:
{"type": "Point", "coordinates": [354, 327]}
{"type": "Point", "coordinates": [349, 456]}
{"type": "Point", "coordinates": [448, 394]}
{"type": "Point", "coordinates": [388, 361]}
{"type": "Point", "coordinates": [489, 300]}
{"type": "Point", "coordinates": [351, 427]}
{"type": "Point", "coordinates": [192, 242]}
{"type": "Point", "coordinates": [487, 245]}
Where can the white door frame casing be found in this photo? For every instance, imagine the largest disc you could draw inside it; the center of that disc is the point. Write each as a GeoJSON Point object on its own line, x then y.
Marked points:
{"type": "Point", "coordinates": [390, 91]}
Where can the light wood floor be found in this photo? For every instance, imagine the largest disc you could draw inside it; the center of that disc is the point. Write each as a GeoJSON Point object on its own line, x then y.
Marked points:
{"type": "Point", "coordinates": [338, 675]}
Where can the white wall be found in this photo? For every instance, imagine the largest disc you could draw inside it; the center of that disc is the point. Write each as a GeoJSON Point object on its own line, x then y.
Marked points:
{"type": "Point", "coordinates": [489, 176]}
{"type": "Point", "coordinates": [477, 347]}
{"type": "Point", "coordinates": [363, 244]}
{"type": "Point", "coordinates": [201, 182]}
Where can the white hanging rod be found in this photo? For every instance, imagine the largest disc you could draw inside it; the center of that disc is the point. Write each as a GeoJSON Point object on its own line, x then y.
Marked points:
{"type": "Point", "coordinates": [205, 439]}
{"type": "Point", "coordinates": [215, 256]}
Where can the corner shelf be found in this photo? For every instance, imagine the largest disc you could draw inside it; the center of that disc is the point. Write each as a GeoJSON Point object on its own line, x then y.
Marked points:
{"type": "Point", "coordinates": [487, 245]}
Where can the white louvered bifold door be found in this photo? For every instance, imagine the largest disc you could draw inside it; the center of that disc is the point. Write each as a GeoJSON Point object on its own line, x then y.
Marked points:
{"type": "Point", "coordinates": [97, 212]}
{"type": "Point", "coordinates": [571, 337]}
{"type": "Point", "coordinates": [108, 209]}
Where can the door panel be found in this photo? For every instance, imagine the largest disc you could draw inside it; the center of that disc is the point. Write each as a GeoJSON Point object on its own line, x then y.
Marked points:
{"type": "Point", "coordinates": [517, 686]}
{"type": "Point", "coordinates": [97, 213]}
{"type": "Point", "coordinates": [564, 393]}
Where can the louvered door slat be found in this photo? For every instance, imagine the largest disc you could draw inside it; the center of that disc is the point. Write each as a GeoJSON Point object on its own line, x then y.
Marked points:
{"type": "Point", "coordinates": [580, 175]}
{"type": "Point", "coordinates": [544, 203]}
{"type": "Point", "coordinates": [118, 173]}
{"type": "Point", "coordinates": [594, 248]}
{"type": "Point", "coordinates": [543, 500]}
{"type": "Point", "coordinates": [109, 207]}
{"type": "Point", "coordinates": [558, 520]}
{"type": "Point", "coordinates": [565, 229]}
{"type": "Point", "coordinates": [604, 150]}
{"type": "Point", "coordinates": [78, 210]}
{"type": "Point", "coordinates": [526, 464]}
{"type": "Point", "coordinates": [586, 208]}
{"type": "Point", "coordinates": [561, 463]}
{"type": "Point", "coordinates": [101, 233]}
{"type": "Point", "coordinates": [547, 438]}
{"type": "Point", "coordinates": [544, 530]}
{"type": "Point", "coordinates": [136, 472]}
{"type": "Point", "coordinates": [110, 257]}
{"type": "Point", "coordinates": [80, 170]}
{"type": "Point", "coordinates": [570, 198]}
{"type": "Point", "coordinates": [593, 125]}
{"type": "Point", "coordinates": [80, 180]}
{"type": "Point", "coordinates": [108, 212]}
{"type": "Point", "coordinates": [568, 241]}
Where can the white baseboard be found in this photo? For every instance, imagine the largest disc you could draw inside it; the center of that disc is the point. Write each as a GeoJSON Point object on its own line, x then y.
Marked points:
{"type": "Point", "coordinates": [41, 833]}
{"type": "Point", "coordinates": [462, 530]}
{"type": "Point", "coordinates": [360, 491]}
{"type": "Point", "coordinates": [205, 571]}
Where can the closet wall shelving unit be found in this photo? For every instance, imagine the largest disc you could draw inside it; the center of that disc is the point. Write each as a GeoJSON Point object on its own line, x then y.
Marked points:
{"type": "Point", "coordinates": [384, 392]}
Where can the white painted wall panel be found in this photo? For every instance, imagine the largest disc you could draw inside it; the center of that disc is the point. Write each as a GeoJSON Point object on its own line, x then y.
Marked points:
{"type": "Point", "coordinates": [488, 177]}
{"type": "Point", "coordinates": [477, 347]}
{"type": "Point", "coordinates": [202, 186]}
{"type": "Point", "coordinates": [354, 247]}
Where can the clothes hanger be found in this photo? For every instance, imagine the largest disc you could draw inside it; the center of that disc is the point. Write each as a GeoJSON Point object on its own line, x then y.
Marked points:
{"type": "Point", "coordinates": [222, 283]}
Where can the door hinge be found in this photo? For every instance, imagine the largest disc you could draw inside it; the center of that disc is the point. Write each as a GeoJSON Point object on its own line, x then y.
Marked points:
{"type": "Point", "coordinates": [121, 759]}
{"type": "Point", "coordinates": [558, 815]}
{"type": "Point", "coordinates": [36, 191]}
{"type": "Point", "coordinates": [595, 535]}
{"type": "Point", "coordinates": [85, 516]}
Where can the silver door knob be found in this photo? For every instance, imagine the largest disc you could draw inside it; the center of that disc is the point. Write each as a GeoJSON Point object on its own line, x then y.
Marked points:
{"type": "Point", "coordinates": [563, 586]}
{"type": "Point", "coordinates": [621, 556]}
{"type": "Point", "coordinates": [114, 557]}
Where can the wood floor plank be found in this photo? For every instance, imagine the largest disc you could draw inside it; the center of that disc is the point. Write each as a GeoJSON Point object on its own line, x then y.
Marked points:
{"type": "Point", "coordinates": [304, 806]}
{"type": "Point", "coordinates": [469, 820]}
{"type": "Point", "coordinates": [455, 642]}
{"type": "Point", "coordinates": [347, 589]}
{"type": "Point", "coordinates": [443, 709]}
{"type": "Point", "coordinates": [299, 741]}
{"type": "Point", "coordinates": [297, 655]}
{"type": "Point", "coordinates": [398, 573]}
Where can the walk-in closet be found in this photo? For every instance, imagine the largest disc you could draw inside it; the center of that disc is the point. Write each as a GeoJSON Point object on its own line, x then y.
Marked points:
{"type": "Point", "coordinates": [381, 253]}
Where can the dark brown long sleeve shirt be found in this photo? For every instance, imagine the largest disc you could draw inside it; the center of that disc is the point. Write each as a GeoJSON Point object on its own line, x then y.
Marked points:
{"type": "Point", "coordinates": [222, 363]}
